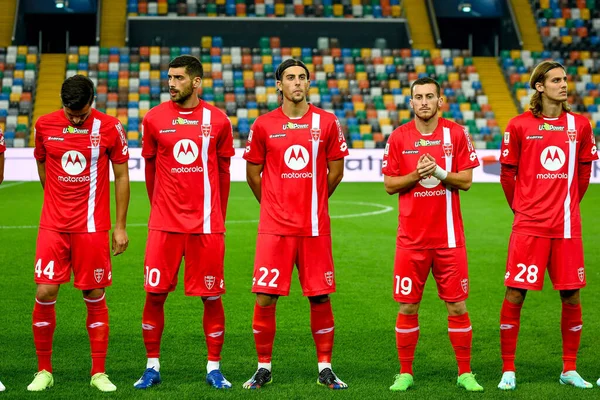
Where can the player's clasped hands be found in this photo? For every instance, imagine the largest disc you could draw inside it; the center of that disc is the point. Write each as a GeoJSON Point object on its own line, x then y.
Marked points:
{"type": "Point", "coordinates": [120, 241]}
{"type": "Point", "coordinates": [426, 166]}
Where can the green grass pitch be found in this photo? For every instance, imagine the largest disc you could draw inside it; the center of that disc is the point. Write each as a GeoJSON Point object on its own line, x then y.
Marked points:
{"type": "Point", "coordinates": [365, 313]}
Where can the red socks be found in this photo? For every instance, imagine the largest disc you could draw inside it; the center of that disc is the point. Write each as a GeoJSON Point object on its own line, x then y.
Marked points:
{"type": "Point", "coordinates": [98, 328]}
{"type": "Point", "coordinates": [322, 327]}
{"type": "Point", "coordinates": [407, 336]}
{"type": "Point", "coordinates": [461, 336]}
{"type": "Point", "coordinates": [153, 323]}
{"type": "Point", "coordinates": [510, 321]}
{"type": "Point", "coordinates": [264, 326]}
{"type": "Point", "coordinates": [44, 323]}
{"type": "Point", "coordinates": [213, 322]}
{"type": "Point", "coordinates": [570, 327]}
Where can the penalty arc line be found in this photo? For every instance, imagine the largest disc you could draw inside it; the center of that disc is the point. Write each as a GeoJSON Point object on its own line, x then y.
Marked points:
{"type": "Point", "coordinates": [382, 210]}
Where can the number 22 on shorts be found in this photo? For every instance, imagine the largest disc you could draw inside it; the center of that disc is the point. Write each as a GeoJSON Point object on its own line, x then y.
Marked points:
{"type": "Point", "coordinates": [265, 273]}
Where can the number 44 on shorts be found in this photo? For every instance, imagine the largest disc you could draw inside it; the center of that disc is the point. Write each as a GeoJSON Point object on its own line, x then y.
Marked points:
{"type": "Point", "coordinates": [48, 270]}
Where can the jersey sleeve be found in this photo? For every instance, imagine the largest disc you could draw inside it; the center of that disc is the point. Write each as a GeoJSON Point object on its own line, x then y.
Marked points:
{"type": "Point", "coordinates": [466, 157]}
{"type": "Point", "coordinates": [511, 145]}
{"type": "Point", "coordinates": [118, 153]}
{"type": "Point", "coordinates": [256, 149]}
{"type": "Point", "coordinates": [225, 140]}
{"type": "Point", "coordinates": [337, 147]}
{"type": "Point", "coordinates": [391, 157]}
{"type": "Point", "coordinates": [2, 143]}
{"type": "Point", "coordinates": [40, 151]}
{"type": "Point", "coordinates": [588, 151]}
{"type": "Point", "coordinates": [149, 143]}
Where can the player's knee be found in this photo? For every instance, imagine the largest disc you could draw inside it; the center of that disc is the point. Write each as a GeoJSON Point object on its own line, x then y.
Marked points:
{"type": "Point", "coordinates": [212, 298]}
{"type": "Point", "coordinates": [458, 308]}
{"type": "Point", "coordinates": [409, 309]}
{"type": "Point", "coordinates": [570, 297]}
{"type": "Point", "coordinates": [265, 300]}
{"type": "Point", "coordinates": [515, 296]}
{"type": "Point", "coordinates": [46, 293]}
{"type": "Point", "coordinates": [93, 294]}
{"type": "Point", "coordinates": [319, 299]}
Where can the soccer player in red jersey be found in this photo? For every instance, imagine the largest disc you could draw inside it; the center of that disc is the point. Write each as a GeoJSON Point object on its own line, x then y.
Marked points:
{"type": "Point", "coordinates": [427, 161]}
{"type": "Point", "coordinates": [295, 160]}
{"type": "Point", "coordinates": [73, 147]}
{"type": "Point", "coordinates": [187, 145]}
{"type": "Point", "coordinates": [546, 159]}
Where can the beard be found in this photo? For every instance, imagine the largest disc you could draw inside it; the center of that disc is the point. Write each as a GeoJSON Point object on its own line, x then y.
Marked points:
{"type": "Point", "coordinates": [183, 95]}
{"type": "Point", "coordinates": [296, 98]}
{"type": "Point", "coordinates": [426, 117]}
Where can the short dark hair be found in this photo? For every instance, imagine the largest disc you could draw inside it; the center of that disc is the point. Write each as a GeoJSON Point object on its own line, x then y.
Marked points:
{"type": "Point", "coordinates": [77, 92]}
{"type": "Point", "coordinates": [425, 81]}
{"type": "Point", "coordinates": [290, 62]}
{"type": "Point", "coordinates": [193, 66]}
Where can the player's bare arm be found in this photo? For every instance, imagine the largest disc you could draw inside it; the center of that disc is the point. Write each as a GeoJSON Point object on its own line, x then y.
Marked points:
{"type": "Point", "coordinates": [253, 178]}
{"type": "Point", "coordinates": [335, 174]}
{"type": "Point", "coordinates": [119, 237]}
{"type": "Point", "coordinates": [42, 172]}
{"type": "Point", "coordinates": [1, 167]}
{"type": "Point", "coordinates": [150, 172]}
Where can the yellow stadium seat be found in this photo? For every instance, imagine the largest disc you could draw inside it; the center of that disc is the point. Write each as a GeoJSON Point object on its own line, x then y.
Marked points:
{"type": "Point", "coordinates": [584, 55]}
{"type": "Point", "coordinates": [596, 79]}
{"type": "Point", "coordinates": [234, 120]}
{"type": "Point", "coordinates": [359, 106]}
{"type": "Point", "coordinates": [560, 22]}
{"type": "Point", "coordinates": [459, 61]}
{"type": "Point", "coordinates": [280, 9]}
{"type": "Point", "coordinates": [342, 84]}
{"type": "Point", "coordinates": [358, 144]}
{"type": "Point", "coordinates": [261, 98]}
{"type": "Point", "coordinates": [356, 2]}
{"type": "Point", "coordinates": [453, 77]}
{"type": "Point", "coordinates": [521, 93]}
{"type": "Point", "coordinates": [84, 50]}
{"type": "Point", "coordinates": [72, 58]}
{"type": "Point", "coordinates": [524, 78]}
{"type": "Point", "coordinates": [384, 121]}
{"type": "Point", "coordinates": [134, 97]}
{"type": "Point", "coordinates": [226, 59]}
{"type": "Point", "coordinates": [253, 113]}
{"type": "Point", "coordinates": [143, 112]}
{"type": "Point", "coordinates": [313, 90]}
{"type": "Point", "coordinates": [515, 54]}
{"type": "Point", "coordinates": [396, 11]}
{"type": "Point", "coordinates": [82, 72]}
{"type": "Point", "coordinates": [271, 90]}
{"type": "Point", "coordinates": [570, 86]}
{"type": "Point", "coordinates": [124, 82]}
{"type": "Point", "coordinates": [404, 114]}
{"type": "Point", "coordinates": [394, 84]}
{"type": "Point", "coordinates": [19, 74]}
{"type": "Point", "coordinates": [111, 111]}
{"type": "Point", "coordinates": [133, 135]}
{"type": "Point", "coordinates": [389, 60]}
{"type": "Point", "coordinates": [338, 10]}
{"type": "Point", "coordinates": [206, 42]}
{"type": "Point", "coordinates": [588, 100]}
{"type": "Point", "coordinates": [465, 106]}
{"type": "Point", "coordinates": [361, 76]}
{"type": "Point", "coordinates": [207, 82]}
{"type": "Point", "coordinates": [329, 68]}
{"type": "Point", "coordinates": [365, 52]}
{"type": "Point", "coordinates": [220, 2]}
{"type": "Point", "coordinates": [406, 91]}
{"type": "Point", "coordinates": [163, 8]}
{"type": "Point", "coordinates": [567, 39]}
{"type": "Point", "coordinates": [435, 53]}
{"type": "Point", "coordinates": [154, 51]}
{"type": "Point", "coordinates": [544, 4]}
{"type": "Point", "coordinates": [246, 75]}
{"type": "Point", "coordinates": [15, 97]}
{"type": "Point", "coordinates": [123, 119]}
{"type": "Point", "coordinates": [582, 70]}
{"type": "Point", "coordinates": [388, 98]}
{"type": "Point", "coordinates": [308, 2]}
{"type": "Point", "coordinates": [31, 58]}
{"type": "Point", "coordinates": [154, 74]}
{"type": "Point", "coordinates": [267, 60]}
{"type": "Point", "coordinates": [296, 52]}
{"type": "Point", "coordinates": [22, 50]}
{"type": "Point", "coordinates": [585, 13]}
{"type": "Point", "coordinates": [145, 66]}
{"type": "Point", "coordinates": [420, 69]}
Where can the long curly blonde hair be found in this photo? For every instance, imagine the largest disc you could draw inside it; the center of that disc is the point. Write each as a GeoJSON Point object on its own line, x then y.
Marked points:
{"type": "Point", "coordinates": [539, 76]}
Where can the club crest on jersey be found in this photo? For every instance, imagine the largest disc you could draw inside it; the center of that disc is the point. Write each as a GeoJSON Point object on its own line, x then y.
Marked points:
{"type": "Point", "coordinates": [99, 274]}
{"type": "Point", "coordinates": [581, 274]}
{"type": "Point", "coordinates": [95, 139]}
{"type": "Point", "coordinates": [209, 281]}
{"type": "Point", "coordinates": [572, 133]}
{"type": "Point", "coordinates": [316, 134]}
{"type": "Point", "coordinates": [465, 285]}
{"type": "Point", "coordinates": [447, 149]}
{"type": "Point", "coordinates": [206, 130]}
{"type": "Point", "coordinates": [329, 277]}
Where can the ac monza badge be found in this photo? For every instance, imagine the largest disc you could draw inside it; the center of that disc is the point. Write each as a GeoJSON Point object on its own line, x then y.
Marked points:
{"type": "Point", "coordinates": [465, 285]}
{"type": "Point", "coordinates": [447, 149]}
{"type": "Point", "coordinates": [329, 277]}
{"type": "Point", "coordinates": [209, 281]}
{"type": "Point", "coordinates": [206, 130]}
{"type": "Point", "coordinates": [572, 133]}
{"type": "Point", "coordinates": [99, 274]}
{"type": "Point", "coordinates": [581, 274]}
{"type": "Point", "coordinates": [95, 139]}
{"type": "Point", "coordinates": [316, 134]}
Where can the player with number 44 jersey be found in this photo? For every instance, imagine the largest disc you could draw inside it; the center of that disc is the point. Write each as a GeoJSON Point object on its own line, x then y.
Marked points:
{"type": "Point", "coordinates": [427, 161]}
{"type": "Point", "coordinates": [546, 159]}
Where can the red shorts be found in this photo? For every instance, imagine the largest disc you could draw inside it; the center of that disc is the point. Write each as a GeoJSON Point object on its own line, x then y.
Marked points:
{"type": "Point", "coordinates": [88, 254]}
{"type": "Point", "coordinates": [203, 253]}
{"type": "Point", "coordinates": [529, 256]}
{"type": "Point", "coordinates": [275, 259]}
{"type": "Point", "coordinates": [449, 268]}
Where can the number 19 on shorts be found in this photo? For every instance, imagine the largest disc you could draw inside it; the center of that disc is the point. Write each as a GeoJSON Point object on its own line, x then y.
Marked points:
{"type": "Point", "coordinates": [403, 285]}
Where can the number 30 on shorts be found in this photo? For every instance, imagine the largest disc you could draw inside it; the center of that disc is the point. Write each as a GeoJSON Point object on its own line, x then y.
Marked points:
{"type": "Point", "coordinates": [48, 269]}
{"type": "Point", "coordinates": [531, 270]}
{"type": "Point", "coordinates": [403, 285]}
{"type": "Point", "coordinates": [152, 276]}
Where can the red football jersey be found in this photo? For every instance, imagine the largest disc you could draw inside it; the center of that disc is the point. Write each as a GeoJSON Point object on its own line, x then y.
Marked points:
{"type": "Point", "coordinates": [186, 144]}
{"type": "Point", "coordinates": [295, 152]}
{"type": "Point", "coordinates": [429, 213]}
{"type": "Point", "coordinates": [77, 192]}
{"type": "Point", "coordinates": [547, 152]}
{"type": "Point", "coordinates": [2, 144]}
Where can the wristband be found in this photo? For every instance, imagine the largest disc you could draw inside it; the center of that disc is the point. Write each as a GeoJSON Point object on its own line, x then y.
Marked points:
{"type": "Point", "coordinates": [440, 173]}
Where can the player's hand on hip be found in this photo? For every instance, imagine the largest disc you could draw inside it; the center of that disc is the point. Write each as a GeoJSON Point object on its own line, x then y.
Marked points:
{"type": "Point", "coordinates": [119, 241]}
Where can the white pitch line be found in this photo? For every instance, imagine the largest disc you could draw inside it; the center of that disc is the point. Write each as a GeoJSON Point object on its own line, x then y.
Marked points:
{"type": "Point", "coordinates": [382, 210]}
{"type": "Point", "coordinates": [7, 185]}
